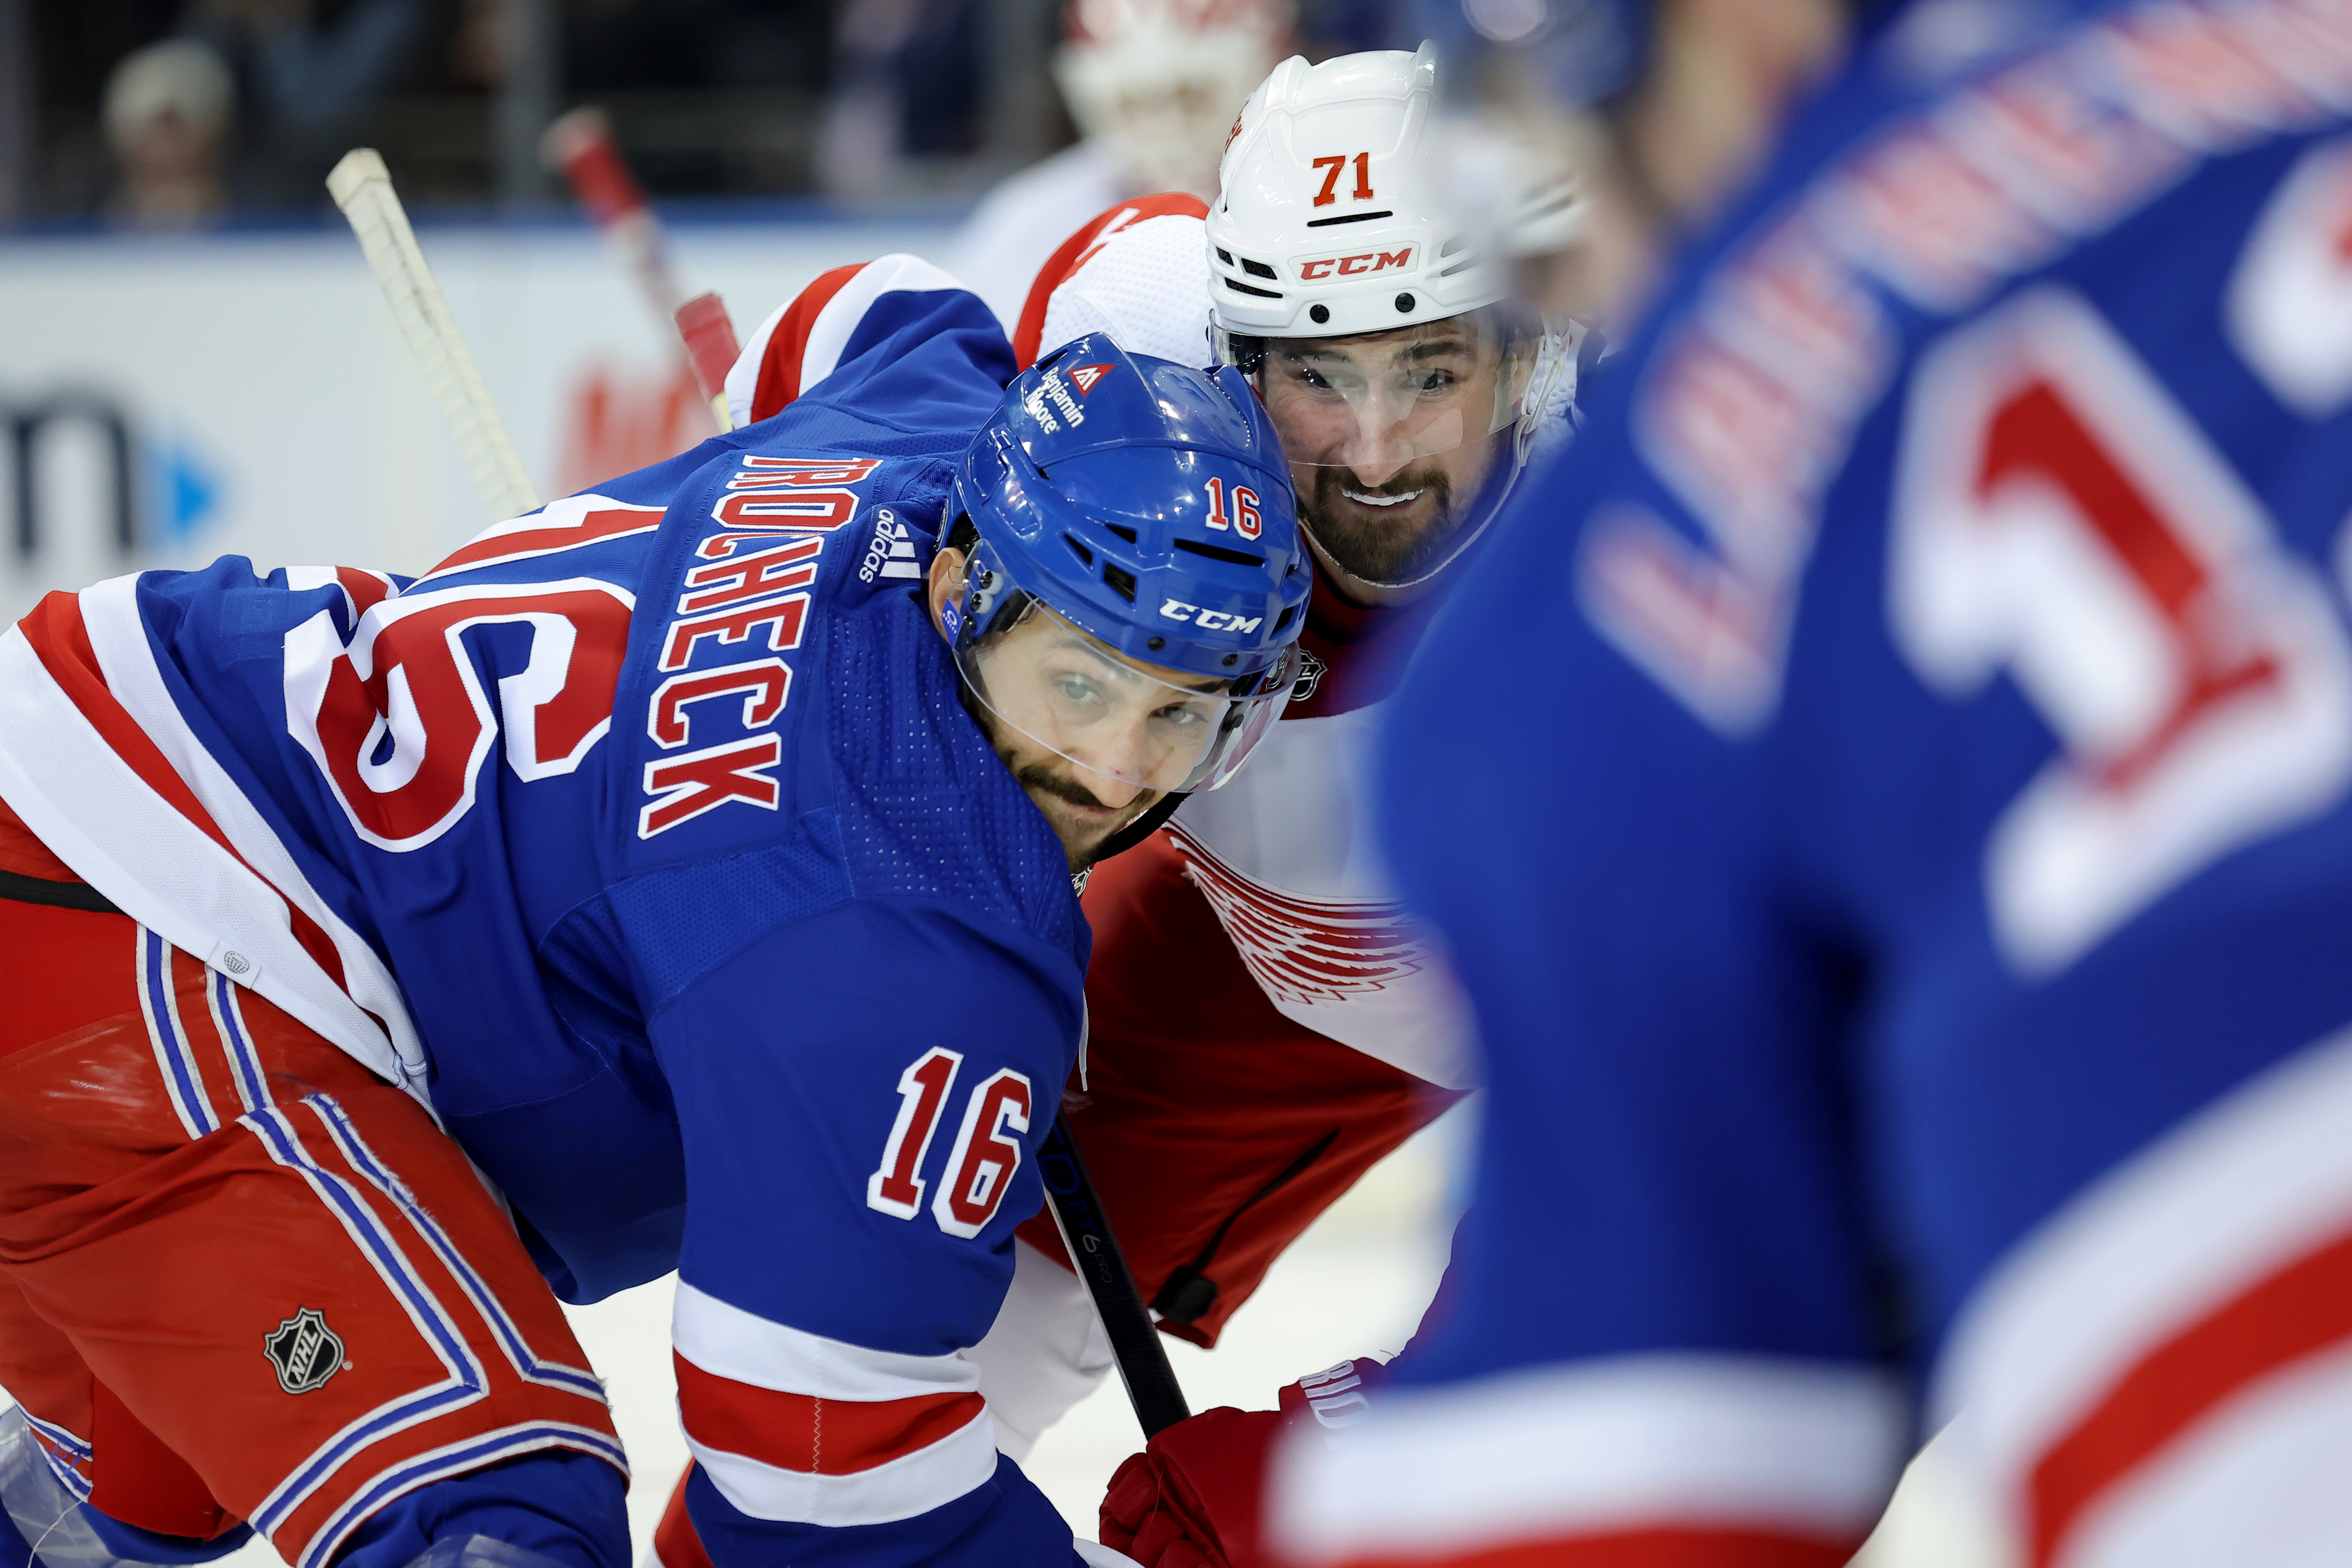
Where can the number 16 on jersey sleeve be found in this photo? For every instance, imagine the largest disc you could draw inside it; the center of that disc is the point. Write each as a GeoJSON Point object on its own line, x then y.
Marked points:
{"type": "Point", "coordinates": [980, 1167]}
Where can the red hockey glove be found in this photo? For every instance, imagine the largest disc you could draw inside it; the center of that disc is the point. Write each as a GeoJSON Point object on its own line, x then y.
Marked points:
{"type": "Point", "coordinates": [1193, 1498]}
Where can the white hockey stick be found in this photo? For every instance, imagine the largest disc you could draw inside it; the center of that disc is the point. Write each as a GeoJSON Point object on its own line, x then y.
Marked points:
{"type": "Point", "coordinates": [362, 186]}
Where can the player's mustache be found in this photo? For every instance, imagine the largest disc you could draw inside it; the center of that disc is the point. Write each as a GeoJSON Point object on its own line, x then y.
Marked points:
{"type": "Point", "coordinates": [1040, 777]}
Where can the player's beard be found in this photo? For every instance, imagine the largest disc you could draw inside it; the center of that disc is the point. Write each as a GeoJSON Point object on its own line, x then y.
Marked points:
{"type": "Point", "coordinates": [1378, 549]}
{"type": "Point", "coordinates": [1042, 778]}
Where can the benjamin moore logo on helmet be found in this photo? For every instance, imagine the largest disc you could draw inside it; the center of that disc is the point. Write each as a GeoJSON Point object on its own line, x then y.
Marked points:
{"type": "Point", "coordinates": [1354, 266]}
{"type": "Point", "coordinates": [1209, 620]}
{"type": "Point", "coordinates": [1055, 388]}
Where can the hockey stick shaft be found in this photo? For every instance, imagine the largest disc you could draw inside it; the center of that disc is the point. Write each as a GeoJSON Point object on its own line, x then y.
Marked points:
{"type": "Point", "coordinates": [581, 145]}
{"type": "Point", "coordinates": [710, 349]}
{"type": "Point", "coordinates": [1151, 1386]}
{"type": "Point", "coordinates": [362, 187]}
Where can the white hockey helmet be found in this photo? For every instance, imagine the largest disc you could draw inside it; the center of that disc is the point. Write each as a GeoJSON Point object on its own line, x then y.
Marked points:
{"type": "Point", "coordinates": [1373, 313]}
{"type": "Point", "coordinates": [1331, 216]}
{"type": "Point", "coordinates": [1157, 82]}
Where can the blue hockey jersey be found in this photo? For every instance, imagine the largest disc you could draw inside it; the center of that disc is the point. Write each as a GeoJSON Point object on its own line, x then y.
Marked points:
{"type": "Point", "coordinates": [1884, 788]}
{"type": "Point", "coordinates": [647, 838]}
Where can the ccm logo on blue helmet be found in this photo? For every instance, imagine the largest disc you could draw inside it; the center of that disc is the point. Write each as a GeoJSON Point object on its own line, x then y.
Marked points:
{"type": "Point", "coordinates": [1209, 620]}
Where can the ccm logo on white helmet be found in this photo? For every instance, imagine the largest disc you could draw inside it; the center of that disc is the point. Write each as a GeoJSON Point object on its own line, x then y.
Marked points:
{"type": "Point", "coordinates": [1208, 620]}
{"type": "Point", "coordinates": [1354, 266]}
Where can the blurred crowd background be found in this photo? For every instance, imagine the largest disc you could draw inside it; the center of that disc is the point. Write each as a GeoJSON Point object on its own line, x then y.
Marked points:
{"type": "Point", "coordinates": [193, 362]}
{"type": "Point", "coordinates": [191, 112]}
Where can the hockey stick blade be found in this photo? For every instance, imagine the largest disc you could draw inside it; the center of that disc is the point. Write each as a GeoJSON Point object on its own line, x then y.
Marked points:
{"type": "Point", "coordinates": [362, 187]}
{"type": "Point", "coordinates": [1151, 1386]}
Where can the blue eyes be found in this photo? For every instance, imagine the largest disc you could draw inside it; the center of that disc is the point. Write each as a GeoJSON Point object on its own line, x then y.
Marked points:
{"type": "Point", "coordinates": [1080, 692]}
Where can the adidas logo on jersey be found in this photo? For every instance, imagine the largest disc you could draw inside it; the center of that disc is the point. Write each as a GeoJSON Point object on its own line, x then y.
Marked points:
{"type": "Point", "coordinates": [891, 553]}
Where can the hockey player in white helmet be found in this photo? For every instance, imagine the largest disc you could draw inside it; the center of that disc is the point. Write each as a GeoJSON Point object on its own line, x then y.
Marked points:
{"type": "Point", "coordinates": [1372, 313]}
{"type": "Point", "coordinates": [1319, 1026]}
{"type": "Point", "coordinates": [1153, 85]}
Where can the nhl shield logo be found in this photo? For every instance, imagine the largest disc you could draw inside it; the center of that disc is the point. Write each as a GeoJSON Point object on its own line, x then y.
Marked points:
{"type": "Point", "coordinates": [305, 1352]}
{"type": "Point", "coordinates": [1310, 676]}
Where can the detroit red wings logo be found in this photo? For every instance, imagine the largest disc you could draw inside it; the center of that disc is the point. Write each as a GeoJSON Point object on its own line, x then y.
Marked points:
{"type": "Point", "coordinates": [1304, 951]}
{"type": "Point", "coordinates": [1085, 375]}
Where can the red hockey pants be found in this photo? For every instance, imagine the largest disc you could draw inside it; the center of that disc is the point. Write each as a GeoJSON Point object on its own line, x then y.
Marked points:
{"type": "Point", "coordinates": [241, 1278]}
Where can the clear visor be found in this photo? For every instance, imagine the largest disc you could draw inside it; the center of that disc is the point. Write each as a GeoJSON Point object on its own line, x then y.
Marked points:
{"type": "Point", "coordinates": [1126, 726]}
{"type": "Point", "coordinates": [1382, 403]}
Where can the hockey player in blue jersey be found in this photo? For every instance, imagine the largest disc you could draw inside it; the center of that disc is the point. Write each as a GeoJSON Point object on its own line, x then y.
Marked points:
{"type": "Point", "coordinates": [1888, 800]}
{"type": "Point", "coordinates": [698, 855]}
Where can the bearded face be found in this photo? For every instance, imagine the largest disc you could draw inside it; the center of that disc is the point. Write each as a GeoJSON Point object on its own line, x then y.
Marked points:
{"type": "Point", "coordinates": [1390, 435]}
{"type": "Point", "coordinates": [1395, 532]}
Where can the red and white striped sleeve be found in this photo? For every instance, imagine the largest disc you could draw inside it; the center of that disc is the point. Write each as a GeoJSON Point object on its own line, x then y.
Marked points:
{"type": "Point", "coordinates": [804, 340]}
{"type": "Point", "coordinates": [793, 1425]}
{"type": "Point", "coordinates": [1138, 270]}
{"type": "Point", "coordinates": [99, 762]}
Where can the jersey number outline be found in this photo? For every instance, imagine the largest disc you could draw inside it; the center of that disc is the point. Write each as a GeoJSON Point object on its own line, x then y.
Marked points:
{"type": "Point", "coordinates": [2059, 519]}
{"type": "Point", "coordinates": [897, 1186]}
{"type": "Point", "coordinates": [399, 721]}
{"type": "Point", "coordinates": [981, 1164]}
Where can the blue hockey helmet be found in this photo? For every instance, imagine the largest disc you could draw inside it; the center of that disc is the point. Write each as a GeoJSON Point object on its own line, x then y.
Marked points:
{"type": "Point", "coordinates": [1135, 596]}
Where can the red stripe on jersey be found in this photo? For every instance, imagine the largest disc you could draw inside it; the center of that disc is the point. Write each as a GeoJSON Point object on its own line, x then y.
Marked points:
{"type": "Point", "coordinates": [2300, 1309]}
{"type": "Point", "coordinates": [61, 642]}
{"type": "Point", "coordinates": [781, 361]}
{"type": "Point", "coordinates": [616, 523]}
{"type": "Point", "coordinates": [367, 589]}
{"type": "Point", "coordinates": [1659, 1548]}
{"type": "Point", "coordinates": [816, 1436]}
{"type": "Point", "coordinates": [1078, 250]}
{"type": "Point", "coordinates": [677, 1545]}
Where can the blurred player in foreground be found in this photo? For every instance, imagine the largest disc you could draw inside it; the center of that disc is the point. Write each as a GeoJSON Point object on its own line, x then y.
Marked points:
{"type": "Point", "coordinates": [1154, 86]}
{"type": "Point", "coordinates": [698, 855]}
{"type": "Point", "coordinates": [1888, 802]}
